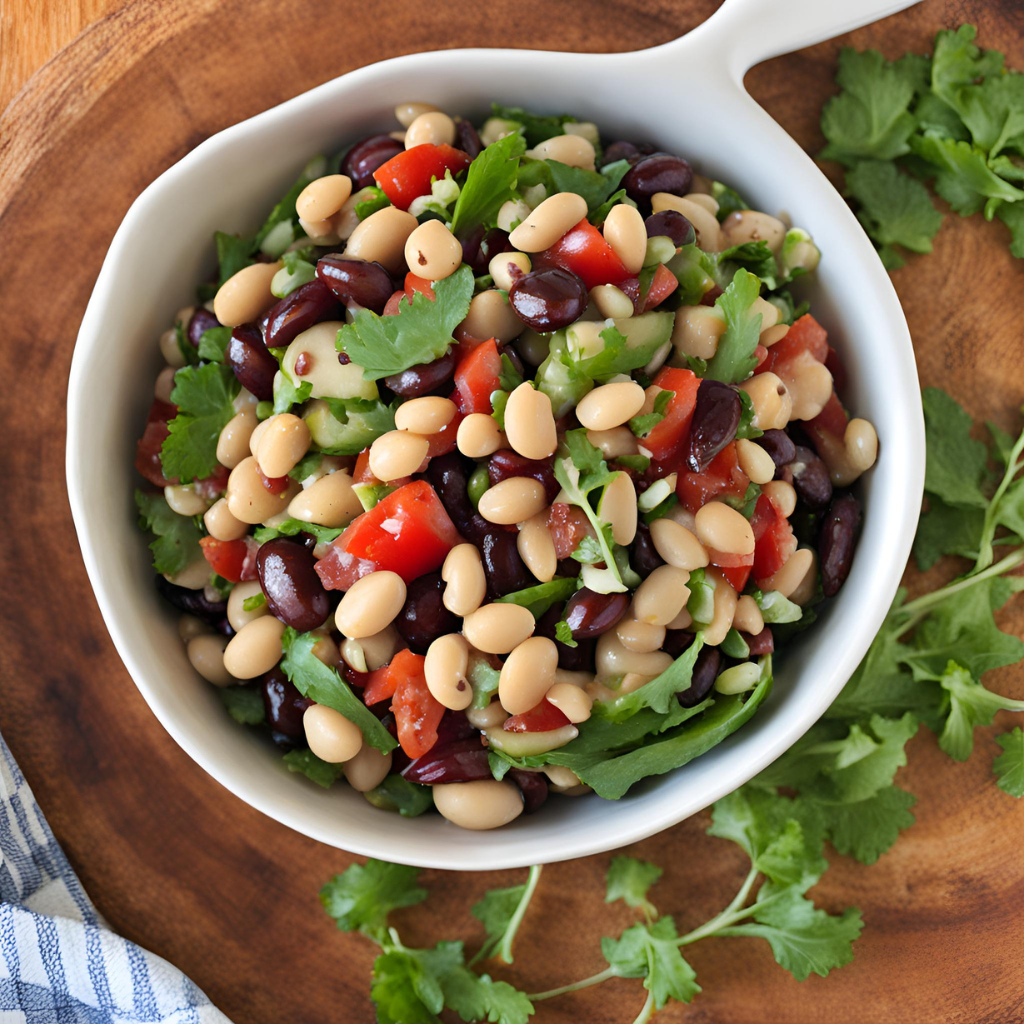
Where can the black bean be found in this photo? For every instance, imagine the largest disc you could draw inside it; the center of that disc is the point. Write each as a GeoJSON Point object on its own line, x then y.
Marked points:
{"type": "Point", "coordinates": [548, 299]}
{"type": "Point", "coordinates": [202, 321]}
{"type": "Point", "coordinates": [449, 476]}
{"type": "Point", "coordinates": [251, 363]}
{"type": "Point", "coordinates": [810, 479]}
{"type": "Point", "coordinates": [705, 672]}
{"type": "Point", "coordinates": [366, 156]}
{"type": "Point", "coordinates": [659, 172]}
{"type": "Point", "coordinates": [298, 311]}
{"type": "Point", "coordinates": [462, 760]}
{"type": "Point", "coordinates": [507, 463]}
{"type": "Point", "coordinates": [351, 280]}
{"type": "Point", "coordinates": [533, 786]}
{"type": "Point", "coordinates": [504, 567]}
{"type": "Point", "coordinates": [779, 446]}
{"type": "Point", "coordinates": [672, 224]}
{"type": "Point", "coordinates": [835, 547]}
{"type": "Point", "coordinates": [589, 614]}
{"type": "Point", "coordinates": [676, 641]}
{"type": "Point", "coordinates": [620, 151]}
{"type": "Point", "coordinates": [643, 556]}
{"type": "Point", "coordinates": [467, 138]}
{"type": "Point", "coordinates": [292, 587]}
{"type": "Point", "coordinates": [716, 416]}
{"type": "Point", "coordinates": [424, 378]}
{"type": "Point", "coordinates": [192, 602]}
{"type": "Point", "coordinates": [481, 245]}
{"type": "Point", "coordinates": [424, 617]}
{"type": "Point", "coordinates": [284, 707]}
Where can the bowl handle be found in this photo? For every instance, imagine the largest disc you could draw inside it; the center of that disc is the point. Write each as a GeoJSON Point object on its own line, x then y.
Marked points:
{"type": "Point", "coordinates": [742, 33]}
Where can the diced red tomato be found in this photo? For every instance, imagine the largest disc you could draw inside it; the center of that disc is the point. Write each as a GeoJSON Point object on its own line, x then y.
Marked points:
{"type": "Point", "coordinates": [417, 711]}
{"type": "Point", "coordinates": [668, 437]}
{"type": "Point", "coordinates": [737, 576]}
{"type": "Point", "coordinates": [543, 718]}
{"type": "Point", "coordinates": [774, 540]}
{"type": "Point", "coordinates": [723, 478]}
{"type": "Point", "coordinates": [583, 250]}
{"type": "Point", "coordinates": [147, 451]}
{"type": "Point", "coordinates": [414, 284]}
{"type": "Point", "coordinates": [235, 560]}
{"type": "Point", "coordinates": [275, 484]}
{"type": "Point", "coordinates": [568, 525]}
{"type": "Point", "coordinates": [382, 682]}
{"type": "Point", "coordinates": [443, 441]}
{"type": "Point", "coordinates": [477, 378]}
{"type": "Point", "coordinates": [806, 335]}
{"type": "Point", "coordinates": [828, 428]}
{"type": "Point", "coordinates": [760, 354]}
{"type": "Point", "coordinates": [407, 532]}
{"type": "Point", "coordinates": [361, 474]}
{"type": "Point", "coordinates": [408, 175]}
{"type": "Point", "coordinates": [663, 284]}
{"type": "Point", "coordinates": [213, 486]}
{"type": "Point", "coordinates": [835, 366]}
{"type": "Point", "coordinates": [391, 306]}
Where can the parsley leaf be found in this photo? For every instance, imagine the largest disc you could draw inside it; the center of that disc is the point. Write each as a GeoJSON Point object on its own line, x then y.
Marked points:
{"type": "Point", "coordinates": [870, 118]}
{"type": "Point", "coordinates": [501, 911]}
{"type": "Point", "coordinates": [490, 181]}
{"type": "Point", "coordinates": [1009, 765]}
{"type": "Point", "coordinates": [660, 692]}
{"type": "Point", "coordinates": [1012, 215]}
{"type": "Point", "coordinates": [305, 762]}
{"type": "Point", "coordinates": [895, 209]}
{"type": "Point", "coordinates": [322, 684]}
{"type": "Point", "coordinates": [204, 396]}
{"type": "Point", "coordinates": [214, 343]}
{"type": "Point", "coordinates": [293, 527]}
{"type": "Point", "coordinates": [475, 997]}
{"type": "Point", "coordinates": [734, 359]}
{"type": "Point", "coordinates": [362, 896]}
{"type": "Point", "coordinates": [970, 705]}
{"type": "Point", "coordinates": [177, 537]}
{"type": "Point", "coordinates": [644, 424]}
{"type": "Point", "coordinates": [407, 982]}
{"type": "Point", "coordinates": [366, 419]}
{"type": "Point", "coordinates": [542, 596]}
{"type": "Point", "coordinates": [629, 880]}
{"type": "Point", "coordinates": [865, 829]}
{"type": "Point", "coordinates": [963, 173]}
{"type": "Point", "coordinates": [536, 127]}
{"type": "Point", "coordinates": [243, 703]}
{"type": "Point", "coordinates": [420, 332]}
{"type": "Point", "coordinates": [233, 254]}
{"type": "Point", "coordinates": [955, 465]}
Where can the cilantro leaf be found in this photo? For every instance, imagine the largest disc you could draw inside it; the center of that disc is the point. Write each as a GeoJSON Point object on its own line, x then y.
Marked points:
{"type": "Point", "coordinates": [495, 911]}
{"type": "Point", "coordinates": [660, 692]}
{"type": "Point", "coordinates": [243, 703]}
{"type": "Point", "coordinates": [177, 537]}
{"type": "Point", "coordinates": [629, 880]}
{"type": "Point", "coordinates": [970, 705]}
{"type": "Point", "coordinates": [651, 952]}
{"type": "Point", "coordinates": [947, 530]}
{"type": "Point", "coordinates": [293, 527]}
{"type": "Point", "coordinates": [322, 684]}
{"type": "Point", "coordinates": [214, 343]}
{"type": "Point", "coordinates": [865, 829]}
{"type": "Point", "coordinates": [305, 762]}
{"type": "Point", "coordinates": [963, 167]}
{"type": "Point", "coordinates": [536, 127]}
{"type": "Point", "coordinates": [1009, 765]}
{"type": "Point", "coordinates": [870, 118]}
{"type": "Point", "coordinates": [563, 634]}
{"type": "Point", "coordinates": [490, 181]}
{"type": "Point", "coordinates": [287, 393]}
{"type": "Point", "coordinates": [542, 596]}
{"type": "Point", "coordinates": [284, 209]}
{"type": "Point", "coordinates": [204, 396]}
{"type": "Point", "coordinates": [734, 359]}
{"type": "Point", "coordinates": [1012, 215]}
{"type": "Point", "coordinates": [400, 796]}
{"type": "Point", "coordinates": [407, 982]}
{"type": "Point", "coordinates": [895, 209]}
{"type": "Point", "coordinates": [362, 896]}
{"type": "Point", "coordinates": [804, 939]}
{"type": "Point", "coordinates": [475, 997]}
{"type": "Point", "coordinates": [955, 463]}
{"type": "Point", "coordinates": [644, 424]}
{"type": "Point", "coordinates": [233, 254]}
{"type": "Point", "coordinates": [420, 332]}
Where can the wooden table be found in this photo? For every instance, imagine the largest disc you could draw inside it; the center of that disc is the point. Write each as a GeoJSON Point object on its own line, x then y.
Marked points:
{"type": "Point", "coordinates": [179, 865]}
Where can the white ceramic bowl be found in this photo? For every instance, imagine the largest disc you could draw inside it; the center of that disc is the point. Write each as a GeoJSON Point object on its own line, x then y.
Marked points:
{"type": "Point", "coordinates": [688, 96]}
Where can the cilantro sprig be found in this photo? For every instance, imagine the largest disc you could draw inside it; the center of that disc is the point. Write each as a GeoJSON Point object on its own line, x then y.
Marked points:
{"type": "Point", "coordinates": [955, 118]}
{"type": "Point", "coordinates": [420, 332]}
{"type": "Point", "coordinates": [176, 538]}
{"type": "Point", "coordinates": [204, 396]}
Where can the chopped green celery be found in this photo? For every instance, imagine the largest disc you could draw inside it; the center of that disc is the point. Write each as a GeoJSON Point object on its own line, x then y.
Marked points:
{"type": "Point", "coordinates": [277, 240]}
{"type": "Point", "coordinates": [658, 492]}
{"type": "Point", "coordinates": [285, 281]}
{"type": "Point", "coordinates": [660, 249]}
{"type": "Point", "coordinates": [701, 605]}
{"type": "Point", "coordinates": [409, 799]}
{"type": "Point", "coordinates": [799, 253]}
{"type": "Point", "coordinates": [564, 385]}
{"type": "Point", "coordinates": [777, 609]}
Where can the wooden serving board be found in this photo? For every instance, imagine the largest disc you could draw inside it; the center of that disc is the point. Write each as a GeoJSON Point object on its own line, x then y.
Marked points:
{"type": "Point", "coordinates": [178, 864]}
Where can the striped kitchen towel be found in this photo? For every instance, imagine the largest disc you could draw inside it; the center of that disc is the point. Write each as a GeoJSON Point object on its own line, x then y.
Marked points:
{"type": "Point", "coordinates": [59, 962]}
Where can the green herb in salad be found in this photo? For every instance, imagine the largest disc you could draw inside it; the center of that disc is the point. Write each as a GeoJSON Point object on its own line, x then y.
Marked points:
{"type": "Point", "coordinates": [205, 397]}
{"type": "Point", "coordinates": [176, 543]}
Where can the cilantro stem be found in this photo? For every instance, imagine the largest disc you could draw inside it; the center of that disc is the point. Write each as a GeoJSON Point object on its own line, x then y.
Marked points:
{"type": "Point", "coordinates": [985, 553]}
{"type": "Point", "coordinates": [647, 1011]}
{"type": "Point", "coordinates": [594, 979]}
{"type": "Point", "coordinates": [504, 951]}
{"type": "Point", "coordinates": [920, 607]}
{"type": "Point", "coordinates": [732, 913]}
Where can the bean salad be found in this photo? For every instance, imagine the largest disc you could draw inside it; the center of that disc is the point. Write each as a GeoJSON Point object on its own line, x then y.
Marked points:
{"type": "Point", "coordinates": [497, 463]}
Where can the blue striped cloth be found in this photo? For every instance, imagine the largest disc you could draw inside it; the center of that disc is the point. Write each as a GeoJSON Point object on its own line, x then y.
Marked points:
{"type": "Point", "coordinates": [59, 962]}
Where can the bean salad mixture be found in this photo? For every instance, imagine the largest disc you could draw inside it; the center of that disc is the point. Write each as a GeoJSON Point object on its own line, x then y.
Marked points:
{"type": "Point", "coordinates": [497, 463]}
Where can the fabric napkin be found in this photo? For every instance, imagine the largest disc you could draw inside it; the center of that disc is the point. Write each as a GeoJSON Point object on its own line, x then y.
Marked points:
{"type": "Point", "coordinates": [59, 961]}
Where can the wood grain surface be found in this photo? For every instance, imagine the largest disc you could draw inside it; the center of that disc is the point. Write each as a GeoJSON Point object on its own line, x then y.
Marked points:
{"type": "Point", "coordinates": [179, 865]}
